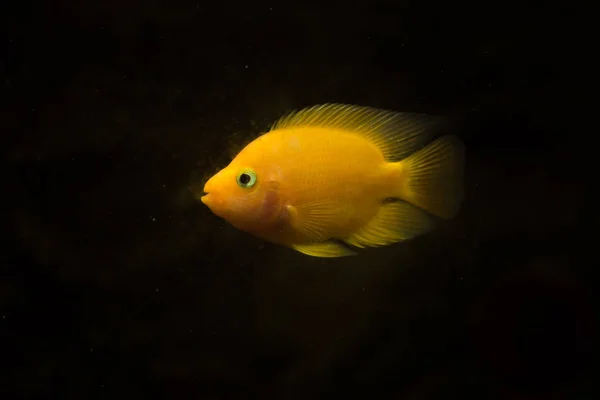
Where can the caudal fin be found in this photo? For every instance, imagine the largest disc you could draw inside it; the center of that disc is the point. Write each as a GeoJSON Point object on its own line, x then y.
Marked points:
{"type": "Point", "coordinates": [433, 177]}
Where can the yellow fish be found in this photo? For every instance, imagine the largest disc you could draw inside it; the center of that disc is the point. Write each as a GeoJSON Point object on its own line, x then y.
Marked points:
{"type": "Point", "coordinates": [332, 178]}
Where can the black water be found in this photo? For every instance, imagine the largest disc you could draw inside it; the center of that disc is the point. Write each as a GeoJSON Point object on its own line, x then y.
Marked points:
{"type": "Point", "coordinates": [117, 283]}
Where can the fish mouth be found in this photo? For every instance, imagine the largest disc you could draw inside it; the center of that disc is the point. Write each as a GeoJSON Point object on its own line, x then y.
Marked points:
{"type": "Point", "coordinates": [205, 198]}
{"type": "Point", "coordinates": [212, 201]}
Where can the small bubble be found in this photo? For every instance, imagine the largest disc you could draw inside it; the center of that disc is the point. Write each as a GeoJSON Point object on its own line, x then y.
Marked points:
{"type": "Point", "coordinates": [91, 349]}
{"type": "Point", "coordinates": [245, 66]}
{"type": "Point", "coordinates": [157, 290]}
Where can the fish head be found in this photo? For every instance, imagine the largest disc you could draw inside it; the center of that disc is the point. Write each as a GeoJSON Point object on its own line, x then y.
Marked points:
{"type": "Point", "coordinates": [245, 193]}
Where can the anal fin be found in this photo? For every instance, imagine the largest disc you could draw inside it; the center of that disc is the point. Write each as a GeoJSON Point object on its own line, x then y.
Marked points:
{"type": "Point", "coordinates": [394, 222]}
{"type": "Point", "coordinates": [327, 249]}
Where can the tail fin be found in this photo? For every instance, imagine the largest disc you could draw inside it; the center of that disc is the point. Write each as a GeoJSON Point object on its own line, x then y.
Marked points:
{"type": "Point", "coordinates": [433, 177]}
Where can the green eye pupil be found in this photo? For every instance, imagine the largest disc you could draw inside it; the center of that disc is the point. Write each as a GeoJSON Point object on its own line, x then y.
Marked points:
{"type": "Point", "coordinates": [246, 179]}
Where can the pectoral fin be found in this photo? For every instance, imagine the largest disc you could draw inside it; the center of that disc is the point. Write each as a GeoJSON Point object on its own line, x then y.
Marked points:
{"type": "Point", "coordinates": [315, 220]}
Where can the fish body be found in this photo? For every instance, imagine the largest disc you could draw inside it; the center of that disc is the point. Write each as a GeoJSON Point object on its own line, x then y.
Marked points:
{"type": "Point", "coordinates": [332, 178]}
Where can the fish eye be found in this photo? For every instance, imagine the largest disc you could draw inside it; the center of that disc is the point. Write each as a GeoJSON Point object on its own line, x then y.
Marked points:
{"type": "Point", "coordinates": [246, 179]}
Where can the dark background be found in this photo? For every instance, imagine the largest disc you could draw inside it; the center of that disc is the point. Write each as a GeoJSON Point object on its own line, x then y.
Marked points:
{"type": "Point", "coordinates": [116, 282]}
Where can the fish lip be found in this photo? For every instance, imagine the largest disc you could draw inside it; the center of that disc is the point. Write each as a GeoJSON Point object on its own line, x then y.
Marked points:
{"type": "Point", "coordinates": [211, 200]}
{"type": "Point", "coordinates": [204, 198]}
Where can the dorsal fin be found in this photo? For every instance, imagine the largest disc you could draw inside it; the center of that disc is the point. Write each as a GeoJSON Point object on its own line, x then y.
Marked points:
{"type": "Point", "coordinates": [397, 135]}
